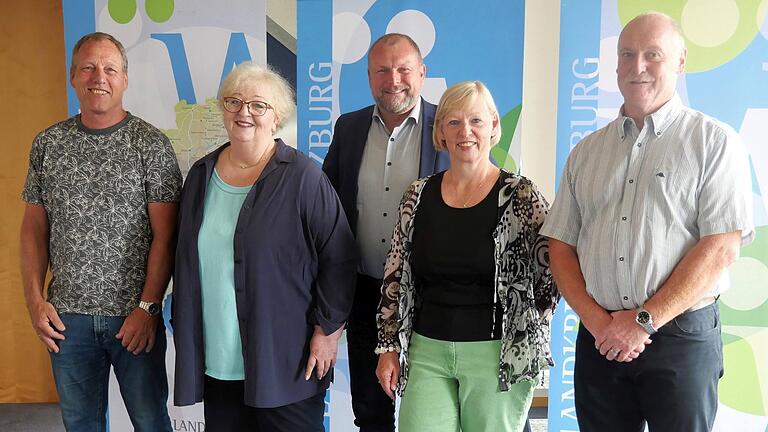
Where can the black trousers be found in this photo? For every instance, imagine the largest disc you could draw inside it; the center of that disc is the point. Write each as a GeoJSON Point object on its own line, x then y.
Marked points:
{"type": "Point", "coordinates": [225, 412]}
{"type": "Point", "coordinates": [672, 385]}
{"type": "Point", "coordinates": [374, 410]}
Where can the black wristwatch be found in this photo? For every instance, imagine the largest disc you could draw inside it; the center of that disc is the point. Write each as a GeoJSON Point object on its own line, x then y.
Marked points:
{"type": "Point", "coordinates": [151, 308]}
{"type": "Point", "coordinates": [645, 320]}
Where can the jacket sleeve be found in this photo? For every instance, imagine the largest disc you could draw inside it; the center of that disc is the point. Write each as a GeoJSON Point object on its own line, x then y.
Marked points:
{"type": "Point", "coordinates": [331, 161]}
{"type": "Point", "coordinates": [337, 259]}
{"type": "Point", "coordinates": [545, 292]}
{"type": "Point", "coordinates": [387, 317]}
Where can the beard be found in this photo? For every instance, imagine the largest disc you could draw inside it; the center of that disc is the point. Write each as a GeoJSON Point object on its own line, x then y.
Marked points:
{"type": "Point", "coordinates": [395, 104]}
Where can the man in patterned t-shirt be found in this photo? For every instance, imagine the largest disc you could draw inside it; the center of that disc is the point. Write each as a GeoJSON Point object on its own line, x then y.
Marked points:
{"type": "Point", "coordinates": [101, 193]}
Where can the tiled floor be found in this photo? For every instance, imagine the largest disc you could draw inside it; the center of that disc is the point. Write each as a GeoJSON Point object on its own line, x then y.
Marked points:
{"type": "Point", "coordinates": [47, 418]}
{"type": "Point", "coordinates": [538, 418]}
{"type": "Point", "coordinates": [539, 425]}
{"type": "Point", "coordinates": [30, 418]}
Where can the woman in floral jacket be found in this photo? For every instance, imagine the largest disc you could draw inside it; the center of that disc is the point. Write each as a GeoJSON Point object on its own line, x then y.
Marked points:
{"type": "Point", "coordinates": [467, 294]}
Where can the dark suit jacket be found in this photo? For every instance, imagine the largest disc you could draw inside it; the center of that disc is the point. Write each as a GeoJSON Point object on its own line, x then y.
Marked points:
{"type": "Point", "coordinates": [342, 164]}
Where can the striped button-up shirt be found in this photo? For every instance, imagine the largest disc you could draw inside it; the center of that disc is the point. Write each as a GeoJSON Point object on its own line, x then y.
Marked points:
{"type": "Point", "coordinates": [634, 202]}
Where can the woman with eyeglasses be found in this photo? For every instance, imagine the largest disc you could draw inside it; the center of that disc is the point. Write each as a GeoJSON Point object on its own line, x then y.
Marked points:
{"type": "Point", "coordinates": [265, 267]}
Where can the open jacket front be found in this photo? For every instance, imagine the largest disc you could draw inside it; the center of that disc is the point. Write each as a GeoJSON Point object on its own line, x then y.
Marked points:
{"type": "Point", "coordinates": [294, 267]}
{"type": "Point", "coordinates": [523, 284]}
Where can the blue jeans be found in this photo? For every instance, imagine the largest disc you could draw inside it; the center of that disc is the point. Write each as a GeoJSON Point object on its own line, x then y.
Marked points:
{"type": "Point", "coordinates": [81, 373]}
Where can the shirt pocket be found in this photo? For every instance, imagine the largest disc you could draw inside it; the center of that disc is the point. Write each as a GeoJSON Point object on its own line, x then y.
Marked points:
{"type": "Point", "coordinates": [672, 192]}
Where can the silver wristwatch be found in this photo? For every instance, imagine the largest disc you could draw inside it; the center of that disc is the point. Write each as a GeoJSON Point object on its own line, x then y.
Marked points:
{"type": "Point", "coordinates": [645, 320]}
{"type": "Point", "coordinates": [151, 308]}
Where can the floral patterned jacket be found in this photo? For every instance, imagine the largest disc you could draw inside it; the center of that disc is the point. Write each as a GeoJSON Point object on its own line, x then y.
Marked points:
{"type": "Point", "coordinates": [524, 286]}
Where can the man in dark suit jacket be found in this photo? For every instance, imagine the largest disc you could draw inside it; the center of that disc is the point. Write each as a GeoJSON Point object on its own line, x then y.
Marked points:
{"type": "Point", "coordinates": [342, 164]}
{"type": "Point", "coordinates": [375, 154]}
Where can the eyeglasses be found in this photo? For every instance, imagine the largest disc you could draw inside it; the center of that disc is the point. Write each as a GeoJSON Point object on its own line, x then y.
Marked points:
{"type": "Point", "coordinates": [234, 105]}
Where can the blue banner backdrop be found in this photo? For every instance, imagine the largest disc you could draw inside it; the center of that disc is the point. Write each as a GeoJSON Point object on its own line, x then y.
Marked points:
{"type": "Point", "coordinates": [726, 76]}
{"type": "Point", "coordinates": [333, 40]}
{"type": "Point", "coordinates": [576, 118]}
{"type": "Point", "coordinates": [334, 36]}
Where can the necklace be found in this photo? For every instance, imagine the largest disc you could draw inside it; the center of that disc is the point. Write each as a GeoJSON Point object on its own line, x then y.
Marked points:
{"type": "Point", "coordinates": [465, 202]}
{"type": "Point", "coordinates": [244, 166]}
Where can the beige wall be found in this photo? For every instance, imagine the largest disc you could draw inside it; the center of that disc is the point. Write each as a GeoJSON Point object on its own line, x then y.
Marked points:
{"type": "Point", "coordinates": [33, 96]}
{"type": "Point", "coordinates": [283, 13]}
{"type": "Point", "coordinates": [540, 65]}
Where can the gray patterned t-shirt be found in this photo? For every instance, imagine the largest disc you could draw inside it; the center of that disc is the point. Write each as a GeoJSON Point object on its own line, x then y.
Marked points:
{"type": "Point", "coordinates": [95, 186]}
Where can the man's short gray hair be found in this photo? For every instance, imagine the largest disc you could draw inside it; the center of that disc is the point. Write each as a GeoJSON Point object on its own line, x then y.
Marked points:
{"type": "Point", "coordinates": [96, 37]}
{"type": "Point", "coordinates": [390, 39]}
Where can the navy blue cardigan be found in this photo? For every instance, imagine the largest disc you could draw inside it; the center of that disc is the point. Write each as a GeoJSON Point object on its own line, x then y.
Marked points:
{"type": "Point", "coordinates": [295, 262]}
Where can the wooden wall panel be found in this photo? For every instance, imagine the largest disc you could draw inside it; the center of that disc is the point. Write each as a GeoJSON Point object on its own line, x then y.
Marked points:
{"type": "Point", "coordinates": [32, 97]}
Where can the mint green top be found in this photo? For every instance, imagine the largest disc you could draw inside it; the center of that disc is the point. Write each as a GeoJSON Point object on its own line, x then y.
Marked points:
{"type": "Point", "coordinates": [221, 333]}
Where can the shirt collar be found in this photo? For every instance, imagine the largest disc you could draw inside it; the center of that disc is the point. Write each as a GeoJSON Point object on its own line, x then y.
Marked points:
{"type": "Point", "coordinates": [105, 131]}
{"type": "Point", "coordinates": [659, 120]}
{"type": "Point", "coordinates": [415, 113]}
{"type": "Point", "coordinates": [283, 152]}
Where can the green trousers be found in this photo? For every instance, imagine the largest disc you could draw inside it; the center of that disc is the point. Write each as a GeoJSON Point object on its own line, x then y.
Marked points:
{"type": "Point", "coordinates": [453, 386]}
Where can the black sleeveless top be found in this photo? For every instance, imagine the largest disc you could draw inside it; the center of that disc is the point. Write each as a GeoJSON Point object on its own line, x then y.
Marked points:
{"type": "Point", "coordinates": [453, 266]}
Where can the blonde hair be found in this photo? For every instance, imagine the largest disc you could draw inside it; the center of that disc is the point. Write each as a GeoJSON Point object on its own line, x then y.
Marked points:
{"type": "Point", "coordinates": [251, 73]}
{"type": "Point", "coordinates": [459, 97]}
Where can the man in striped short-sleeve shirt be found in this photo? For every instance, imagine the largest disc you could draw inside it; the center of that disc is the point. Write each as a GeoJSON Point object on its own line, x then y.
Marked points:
{"type": "Point", "coordinates": [650, 212]}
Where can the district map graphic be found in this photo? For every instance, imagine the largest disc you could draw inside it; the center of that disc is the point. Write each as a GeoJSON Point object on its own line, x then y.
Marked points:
{"type": "Point", "coordinates": [199, 131]}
